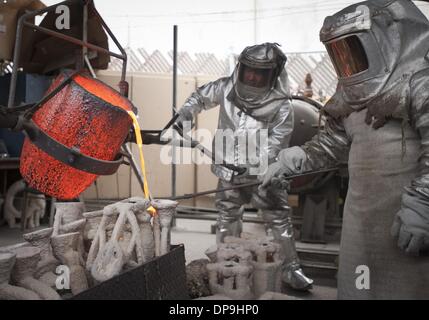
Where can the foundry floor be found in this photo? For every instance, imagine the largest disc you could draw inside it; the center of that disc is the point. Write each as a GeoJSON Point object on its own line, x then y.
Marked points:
{"type": "Point", "coordinates": [196, 236]}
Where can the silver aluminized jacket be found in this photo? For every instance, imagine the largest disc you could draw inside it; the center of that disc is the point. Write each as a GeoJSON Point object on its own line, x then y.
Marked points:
{"type": "Point", "coordinates": [389, 171]}
{"type": "Point", "coordinates": [378, 122]}
{"type": "Point", "coordinates": [273, 112]}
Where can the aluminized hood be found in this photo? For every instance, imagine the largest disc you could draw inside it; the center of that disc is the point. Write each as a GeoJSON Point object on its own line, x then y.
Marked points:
{"type": "Point", "coordinates": [395, 37]}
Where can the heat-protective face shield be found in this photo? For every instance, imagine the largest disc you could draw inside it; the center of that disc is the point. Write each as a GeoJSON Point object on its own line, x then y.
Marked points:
{"type": "Point", "coordinates": [257, 71]}
{"type": "Point", "coordinates": [359, 63]}
{"type": "Point", "coordinates": [348, 56]}
{"type": "Point", "coordinates": [373, 44]}
{"type": "Point", "coordinates": [254, 82]}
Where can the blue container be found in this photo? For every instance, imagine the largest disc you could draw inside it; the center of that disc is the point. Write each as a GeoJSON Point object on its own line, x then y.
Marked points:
{"type": "Point", "coordinates": [30, 88]}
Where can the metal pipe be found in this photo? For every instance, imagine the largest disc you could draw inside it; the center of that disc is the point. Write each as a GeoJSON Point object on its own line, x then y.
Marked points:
{"type": "Point", "coordinates": [173, 167]}
{"type": "Point", "coordinates": [211, 217]}
{"type": "Point", "coordinates": [118, 45]}
{"type": "Point", "coordinates": [296, 220]}
{"type": "Point", "coordinates": [72, 40]}
{"type": "Point", "coordinates": [134, 166]}
{"type": "Point", "coordinates": [17, 48]}
{"type": "Point", "coordinates": [250, 184]}
{"type": "Point", "coordinates": [91, 70]}
{"type": "Point", "coordinates": [84, 32]}
{"type": "Point", "coordinates": [15, 65]}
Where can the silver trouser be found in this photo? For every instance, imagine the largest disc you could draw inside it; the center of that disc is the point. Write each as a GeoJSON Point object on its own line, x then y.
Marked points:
{"type": "Point", "coordinates": [280, 224]}
{"type": "Point", "coordinates": [230, 205]}
{"type": "Point", "coordinates": [276, 215]}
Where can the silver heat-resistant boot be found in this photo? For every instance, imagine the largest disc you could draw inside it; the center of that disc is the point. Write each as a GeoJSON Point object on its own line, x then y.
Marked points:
{"type": "Point", "coordinates": [228, 227]}
{"type": "Point", "coordinates": [294, 277]}
{"type": "Point", "coordinates": [282, 231]}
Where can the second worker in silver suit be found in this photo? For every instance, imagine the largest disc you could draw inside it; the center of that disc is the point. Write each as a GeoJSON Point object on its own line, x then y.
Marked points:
{"type": "Point", "coordinates": [255, 109]}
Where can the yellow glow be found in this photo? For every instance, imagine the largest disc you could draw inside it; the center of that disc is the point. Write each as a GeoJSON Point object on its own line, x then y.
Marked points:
{"type": "Point", "coordinates": [139, 139]}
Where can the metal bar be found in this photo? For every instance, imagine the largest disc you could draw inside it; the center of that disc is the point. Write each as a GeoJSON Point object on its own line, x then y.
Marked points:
{"type": "Point", "coordinates": [17, 49]}
{"type": "Point", "coordinates": [203, 193]}
{"type": "Point", "coordinates": [198, 209]}
{"type": "Point", "coordinates": [245, 185]}
{"type": "Point", "coordinates": [52, 211]}
{"type": "Point", "coordinates": [169, 124]}
{"type": "Point", "coordinates": [24, 212]}
{"type": "Point", "coordinates": [91, 70]}
{"type": "Point", "coordinates": [296, 220]}
{"type": "Point", "coordinates": [31, 196]}
{"type": "Point", "coordinates": [84, 32]}
{"type": "Point", "coordinates": [174, 108]}
{"type": "Point", "coordinates": [211, 218]}
{"type": "Point", "coordinates": [72, 40]}
{"type": "Point", "coordinates": [118, 45]}
{"type": "Point", "coordinates": [4, 182]}
{"type": "Point", "coordinates": [134, 166]}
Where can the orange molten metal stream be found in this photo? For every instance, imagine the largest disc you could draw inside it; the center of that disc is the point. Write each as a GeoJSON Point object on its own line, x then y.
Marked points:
{"type": "Point", "coordinates": [139, 139]}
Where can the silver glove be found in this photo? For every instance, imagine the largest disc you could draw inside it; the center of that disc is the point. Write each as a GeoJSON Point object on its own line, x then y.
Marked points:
{"type": "Point", "coordinates": [411, 224]}
{"type": "Point", "coordinates": [290, 161]}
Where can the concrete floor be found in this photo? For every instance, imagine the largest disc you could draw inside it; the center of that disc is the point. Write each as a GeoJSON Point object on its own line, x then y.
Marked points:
{"type": "Point", "coordinates": [12, 236]}
{"type": "Point", "coordinates": [197, 238]}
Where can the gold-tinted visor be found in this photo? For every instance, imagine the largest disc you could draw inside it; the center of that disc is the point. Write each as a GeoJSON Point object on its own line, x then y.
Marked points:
{"type": "Point", "coordinates": [348, 56]}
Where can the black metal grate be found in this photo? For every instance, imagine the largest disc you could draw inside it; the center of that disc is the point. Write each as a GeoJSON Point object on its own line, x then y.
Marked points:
{"type": "Point", "coordinates": [163, 278]}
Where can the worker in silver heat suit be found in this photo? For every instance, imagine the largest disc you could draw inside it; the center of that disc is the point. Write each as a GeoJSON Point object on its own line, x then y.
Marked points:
{"type": "Point", "coordinates": [254, 102]}
{"type": "Point", "coordinates": [377, 122]}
